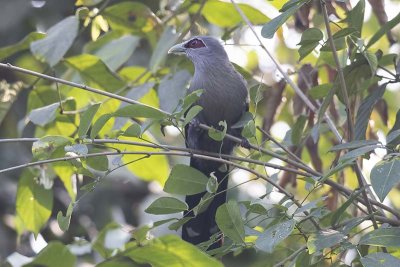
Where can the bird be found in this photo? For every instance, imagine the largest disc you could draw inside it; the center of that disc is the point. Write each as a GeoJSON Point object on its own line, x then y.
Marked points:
{"type": "Point", "coordinates": [224, 98]}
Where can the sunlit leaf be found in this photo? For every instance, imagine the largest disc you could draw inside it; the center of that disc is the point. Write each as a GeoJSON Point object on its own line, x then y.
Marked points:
{"type": "Point", "coordinates": [34, 203]}
{"type": "Point", "coordinates": [224, 14]}
{"type": "Point", "coordinates": [94, 72]}
{"type": "Point", "coordinates": [170, 250]}
{"type": "Point", "coordinates": [64, 221]}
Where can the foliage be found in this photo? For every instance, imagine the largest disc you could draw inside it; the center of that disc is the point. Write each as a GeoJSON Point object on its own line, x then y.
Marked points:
{"type": "Point", "coordinates": [118, 96]}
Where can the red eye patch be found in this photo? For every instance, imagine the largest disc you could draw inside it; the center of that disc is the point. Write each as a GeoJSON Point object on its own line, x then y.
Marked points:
{"type": "Point", "coordinates": [194, 43]}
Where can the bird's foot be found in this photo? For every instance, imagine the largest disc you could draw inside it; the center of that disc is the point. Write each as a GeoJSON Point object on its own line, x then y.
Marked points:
{"type": "Point", "coordinates": [195, 123]}
{"type": "Point", "coordinates": [245, 143]}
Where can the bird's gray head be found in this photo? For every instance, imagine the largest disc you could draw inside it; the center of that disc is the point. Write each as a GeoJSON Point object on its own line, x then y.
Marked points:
{"type": "Point", "coordinates": [200, 49]}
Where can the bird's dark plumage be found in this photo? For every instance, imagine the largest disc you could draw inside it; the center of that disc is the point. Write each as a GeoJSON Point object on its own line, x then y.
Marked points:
{"type": "Point", "coordinates": [224, 99]}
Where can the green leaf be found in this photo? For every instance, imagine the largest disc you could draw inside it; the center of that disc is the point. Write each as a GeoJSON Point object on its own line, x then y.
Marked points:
{"type": "Point", "coordinates": [372, 61]}
{"type": "Point", "coordinates": [45, 146]}
{"type": "Point", "coordinates": [212, 184]}
{"type": "Point", "coordinates": [133, 130]}
{"type": "Point", "coordinates": [142, 166]}
{"type": "Point", "coordinates": [94, 72]}
{"type": "Point", "coordinates": [185, 180]}
{"type": "Point", "coordinates": [337, 214]}
{"type": "Point", "coordinates": [58, 40]}
{"type": "Point", "coordinates": [298, 128]}
{"type": "Point", "coordinates": [384, 176]}
{"type": "Point", "coordinates": [355, 17]}
{"type": "Point", "coordinates": [55, 254]}
{"type": "Point", "coordinates": [309, 40]}
{"type": "Point", "coordinates": [361, 151]}
{"type": "Point", "coordinates": [170, 250]}
{"type": "Point", "coordinates": [172, 88]}
{"type": "Point", "coordinates": [99, 163]}
{"type": "Point", "coordinates": [191, 114]}
{"type": "Point", "coordinates": [354, 144]}
{"type": "Point", "coordinates": [178, 224]}
{"type": "Point", "coordinates": [64, 221]}
{"type": "Point", "coordinates": [34, 203]}
{"type": "Point", "coordinates": [246, 117]}
{"type": "Point", "coordinates": [44, 115]}
{"type": "Point", "coordinates": [10, 50]}
{"type": "Point", "coordinates": [139, 111]}
{"type": "Point", "coordinates": [218, 135]}
{"type": "Point", "coordinates": [166, 205]}
{"type": "Point", "coordinates": [320, 91]}
{"type": "Point", "coordinates": [325, 104]}
{"type": "Point", "coordinates": [116, 52]}
{"type": "Point", "coordinates": [230, 221]}
{"type": "Point", "coordinates": [86, 120]}
{"type": "Point", "coordinates": [98, 125]}
{"type": "Point", "coordinates": [167, 39]}
{"type": "Point", "coordinates": [380, 259]}
{"type": "Point", "coordinates": [324, 239]}
{"type": "Point", "coordinates": [190, 99]}
{"type": "Point", "coordinates": [272, 236]}
{"type": "Point", "coordinates": [272, 26]}
{"type": "Point", "coordinates": [384, 29]}
{"type": "Point", "coordinates": [224, 14]}
{"type": "Point", "coordinates": [364, 111]}
{"type": "Point", "coordinates": [131, 17]}
{"type": "Point", "coordinates": [249, 130]}
{"type": "Point", "coordinates": [383, 237]}
{"type": "Point", "coordinates": [343, 33]}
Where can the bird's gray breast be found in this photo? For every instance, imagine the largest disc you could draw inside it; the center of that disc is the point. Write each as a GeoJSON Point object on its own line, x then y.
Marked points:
{"type": "Point", "coordinates": [224, 97]}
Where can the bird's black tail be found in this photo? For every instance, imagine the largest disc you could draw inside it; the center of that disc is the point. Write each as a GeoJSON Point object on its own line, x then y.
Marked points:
{"type": "Point", "coordinates": [203, 226]}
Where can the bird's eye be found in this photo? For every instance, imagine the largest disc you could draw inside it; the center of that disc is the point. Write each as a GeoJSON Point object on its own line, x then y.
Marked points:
{"type": "Point", "coordinates": [195, 43]}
